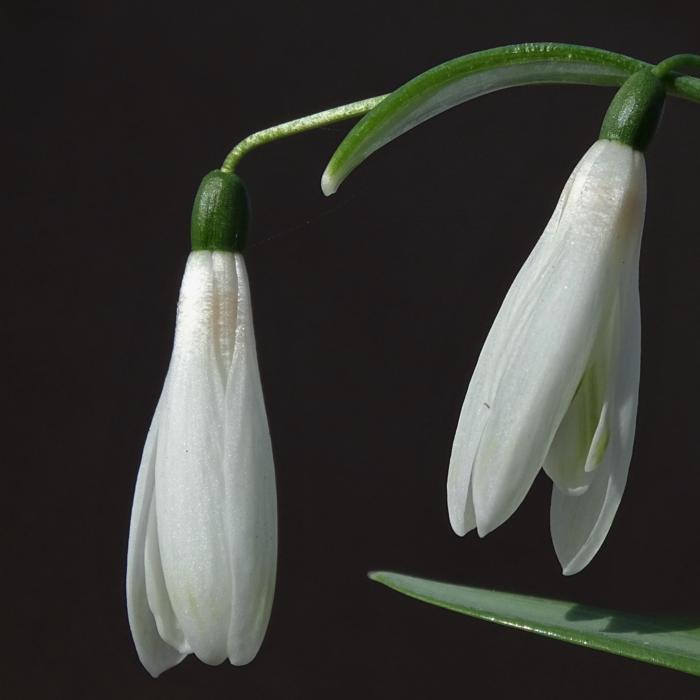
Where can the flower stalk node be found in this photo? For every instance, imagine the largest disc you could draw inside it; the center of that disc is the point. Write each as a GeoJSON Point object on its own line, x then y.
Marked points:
{"type": "Point", "coordinates": [221, 213]}
{"type": "Point", "coordinates": [635, 111]}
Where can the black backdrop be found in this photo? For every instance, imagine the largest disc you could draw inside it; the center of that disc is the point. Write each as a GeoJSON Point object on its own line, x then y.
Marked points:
{"type": "Point", "coordinates": [370, 310]}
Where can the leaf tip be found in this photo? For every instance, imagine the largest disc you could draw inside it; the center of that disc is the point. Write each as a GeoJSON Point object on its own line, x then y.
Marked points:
{"type": "Point", "coordinates": [377, 576]}
{"type": "Point", "coordinates": [329, 184]}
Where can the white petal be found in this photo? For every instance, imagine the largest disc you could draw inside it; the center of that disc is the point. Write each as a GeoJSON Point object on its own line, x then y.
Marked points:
{"type": "Point", "coordinates": [190, 496]}
{"type": "Point", "coordinates": [559, 306]}
{"type": "Point", "coordinates": [476, 407]}
{"type": "Point", "coordinates": [157, 592]}
{"type": "Point", "coordinates": [155, 654]}
{"type": "Point", "coordinates": [249, 484]}
{"type": "Point", "coordinates": [460, 504]}
{"type": "Point", "coordinates": [579, 524]}
{"type": "Point", "coordinates": [583, 434]}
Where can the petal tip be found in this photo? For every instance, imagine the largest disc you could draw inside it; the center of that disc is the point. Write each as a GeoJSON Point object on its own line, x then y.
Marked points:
{"type": "Point", "coordinates": [157, 662]}
{"type": "Point", "coordinates": [243, 651]}
{"type": "Point", "coordinates": [576, 564]}
{"type": "Point", "coordinates": [460, 513]}
{"type": "Point", "coordinates": [458, 526]}
{"type": "Point", "coordinates": [242, 659]}
{"type": "Point", "coordinates": [571, 565]}
{"type": "Point", "coordinates": [570, 570]}
{"type": "Point", "coordinates": [488, 521]}
{"type": "Point", "coordinates": [484, 529]}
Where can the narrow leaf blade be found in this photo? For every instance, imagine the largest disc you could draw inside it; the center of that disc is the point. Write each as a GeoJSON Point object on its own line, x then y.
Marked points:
{"type": "Point", "coordinates": [465, 78]}
{"type": "Point", "coordinates": [671, 643]}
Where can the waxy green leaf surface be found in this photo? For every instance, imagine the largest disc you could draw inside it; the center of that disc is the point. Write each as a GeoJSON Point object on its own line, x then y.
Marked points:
{"type": "Point", "coordinates": [674, 643]}
{"type": "Point", "coordinates": [464, 78]}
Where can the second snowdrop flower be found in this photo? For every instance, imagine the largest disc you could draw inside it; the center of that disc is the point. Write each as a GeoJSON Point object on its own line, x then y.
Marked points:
{"type": "Point", "coordinates": [203, 539]}
{"type": "Point", "coordinates": [556, 384]}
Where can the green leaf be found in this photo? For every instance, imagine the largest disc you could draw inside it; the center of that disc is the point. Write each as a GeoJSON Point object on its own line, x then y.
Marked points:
{"type": "Point", "coordinates": [476, 74]}
{"type": "Point", "coordinates": [673, 643]}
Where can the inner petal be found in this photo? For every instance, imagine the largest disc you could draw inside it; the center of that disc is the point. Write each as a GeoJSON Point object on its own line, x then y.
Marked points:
{"type": "Point", "coordinates": [582, 438]}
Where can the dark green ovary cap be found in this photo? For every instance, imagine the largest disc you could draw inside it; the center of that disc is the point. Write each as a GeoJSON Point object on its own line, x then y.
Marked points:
{"type": "Point", "coordinates": [635, 111]}
{"type": "Point", "coordinates": [221, 213]}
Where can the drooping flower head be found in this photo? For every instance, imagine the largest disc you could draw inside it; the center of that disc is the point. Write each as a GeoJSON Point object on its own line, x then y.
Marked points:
{"type": "Point", "coordinates": [203, 539]}
{"type": "Point", "coordinates": [557, 380]}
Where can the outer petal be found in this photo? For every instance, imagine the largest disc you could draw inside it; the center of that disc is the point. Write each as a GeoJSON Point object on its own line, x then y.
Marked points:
{"type": "Point", "coordinates": [552, 333]}
{"type": "Point", "coordinates": [249, 484]}
{"type": "Point", "coordinates": [476, 409]}
{"type": "Point", "coordinates": [191, 506]}
{"type": "Point", "coordinates": [580, 524]}
{"type": "Point", "coordinates": [155, 654]}
{"type": "Point", "coordinates": [157, 592]}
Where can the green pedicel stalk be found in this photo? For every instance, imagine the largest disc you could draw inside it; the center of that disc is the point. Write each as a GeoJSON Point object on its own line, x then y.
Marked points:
{"type": "Point", "coordinates": [297, 126]}
{"type": "Point", "coordinates": [678, 62]}
{"type": "Point", "coordinates": [221, 211]}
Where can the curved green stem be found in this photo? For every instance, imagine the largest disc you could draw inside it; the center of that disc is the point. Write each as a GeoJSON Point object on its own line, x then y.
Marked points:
{"type": "Point", "coordinates": [677, 63]}
{"type": "Point", "coordinates": [684, 86]}
{"type": "Point", "coordinates": [297, 126]}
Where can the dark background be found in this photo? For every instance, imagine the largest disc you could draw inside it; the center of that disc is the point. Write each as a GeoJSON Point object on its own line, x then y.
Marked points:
{"type": "Point", "coordinates": [370, 311]}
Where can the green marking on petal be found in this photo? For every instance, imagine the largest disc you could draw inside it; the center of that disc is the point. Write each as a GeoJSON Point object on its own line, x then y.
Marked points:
{"type": "Point", "coordinates": [600, 449]}
{"type": "Point", "coordinates": [599, 443]}
{"type": "Point", "coordinates": [582, 437]}
{"type": "Point", "coordinates": [591, 395]}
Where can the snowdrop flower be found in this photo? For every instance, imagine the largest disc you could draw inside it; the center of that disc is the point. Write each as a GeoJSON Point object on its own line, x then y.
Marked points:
{"type": "Point", "coordinates": [203, 539]}
{"type": "Point", "coordinates": [556, 383]}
